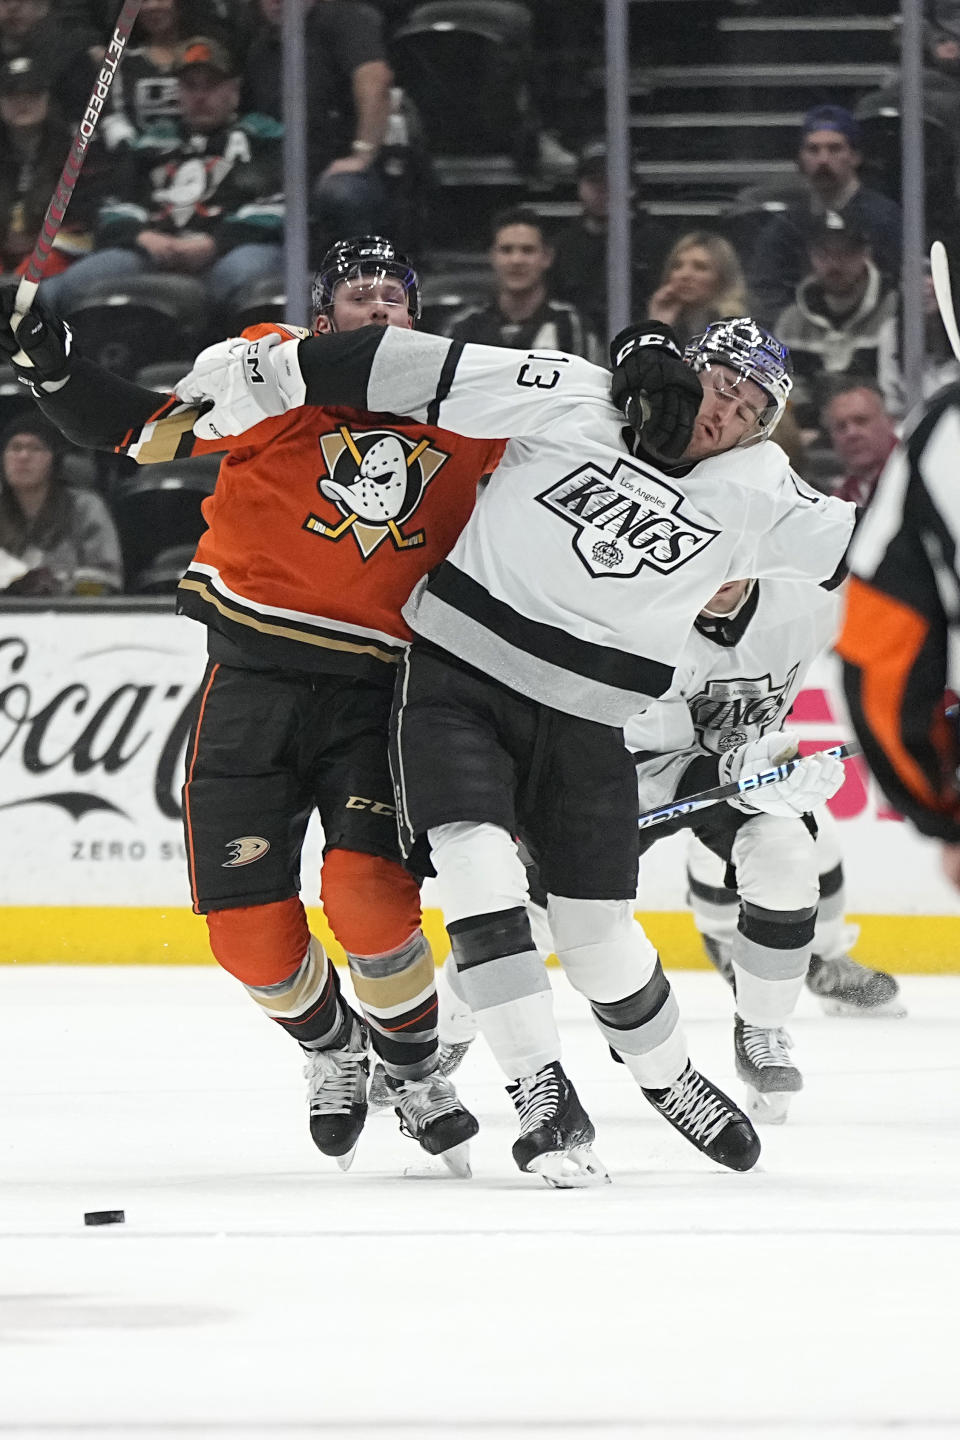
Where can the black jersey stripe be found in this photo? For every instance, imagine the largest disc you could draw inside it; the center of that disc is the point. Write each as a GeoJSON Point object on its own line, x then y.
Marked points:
{"type": "Point", "coordinates": [447, 373]}
{"type": "Point", "coordinates": [601, 664]}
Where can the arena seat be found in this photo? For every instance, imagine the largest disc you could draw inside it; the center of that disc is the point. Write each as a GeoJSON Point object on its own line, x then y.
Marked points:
{"type": "Point", "coordinates": [262, 300]}
{"type": "Point", "coordinates": [121, 323]}
{"type": "Point", "coordinates": [164, 572]}
{"type": "Point", "coordinates": [442, 41]}
{"type": "Point", "coordinates": [157, 508]}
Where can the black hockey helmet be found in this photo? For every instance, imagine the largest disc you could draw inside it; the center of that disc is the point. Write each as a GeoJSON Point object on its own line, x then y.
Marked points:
{"type": "Point", "coordinates": [369, 255]}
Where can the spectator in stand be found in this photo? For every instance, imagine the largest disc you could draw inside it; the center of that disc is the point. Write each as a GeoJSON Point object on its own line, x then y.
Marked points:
{"type": "Point", "coordinates": [833, 326]}
{"type": "Point", "coordinates": [862, 435]}
{"type": "Point", "coordinates": [71, 54]}
{"type": "Point", "coordinates": [34, 142]}
{"type": "Point", "coordinates": [201, 197]}
{"type": "Point", "coordinates": [521, 314]}
{"type": "Point", "coordinates": [348, 108]}
{"type": "Point", "coordinates": [940, 367]}
{"type": "Point", "coordinates": [579, 272]}
{"type": "Point", "coordinates": [701, 282]}
{"type": "Point", "coordinates": [829, 158]}
{"type": "Point", "coordinates": [146, 88]}
{"type": "Point", "coordinates": [54, 539]}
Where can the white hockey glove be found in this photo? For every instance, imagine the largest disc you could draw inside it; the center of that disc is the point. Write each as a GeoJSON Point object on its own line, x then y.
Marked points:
{"type": "Point", "coordinates": [243, 382]}
{"type": "Point", "coordinates": [811, 784]}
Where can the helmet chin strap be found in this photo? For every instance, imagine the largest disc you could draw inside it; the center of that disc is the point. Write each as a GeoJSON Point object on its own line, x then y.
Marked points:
{"type": "Point", "coordinates": [729, 614]}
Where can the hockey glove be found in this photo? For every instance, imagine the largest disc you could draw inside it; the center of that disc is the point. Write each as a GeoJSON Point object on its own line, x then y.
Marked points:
{"type": "Point", "coordinates": [656, 391]}
{"type": "Point", "coordinates": [46, 340]}
{"type": "Point", "coordinates": [809, 785]}
{"type": "Point", "coordinates": [243, 382]}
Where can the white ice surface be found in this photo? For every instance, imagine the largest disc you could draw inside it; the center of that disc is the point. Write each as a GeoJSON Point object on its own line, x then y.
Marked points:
{"type": "Point", "coordinates": [254, 1291]}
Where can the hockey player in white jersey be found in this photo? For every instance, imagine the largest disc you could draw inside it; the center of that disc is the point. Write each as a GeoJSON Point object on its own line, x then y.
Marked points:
{"type": "Point", "coordinates": [742, 669]}
{"type": "Point", "coordinates": [763, 894]}
{"type": "Point", "coordinates": [562, 610]}
{"type": "Point", "coordinates": [844, 986]}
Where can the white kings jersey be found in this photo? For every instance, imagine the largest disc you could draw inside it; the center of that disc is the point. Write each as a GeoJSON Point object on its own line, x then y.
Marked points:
{"type": "Point", "coordinates": [725, 695]}
{"type": "Point", "coordinates": [579, 575]}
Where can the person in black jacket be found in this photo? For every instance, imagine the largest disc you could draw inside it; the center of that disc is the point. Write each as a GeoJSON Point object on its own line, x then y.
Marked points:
{"type": "Point", "coordinates": [521, 314]}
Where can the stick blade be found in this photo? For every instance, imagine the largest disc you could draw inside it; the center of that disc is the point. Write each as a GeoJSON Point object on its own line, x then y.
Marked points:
{"type": "Point", "coordinates": [940, 273]}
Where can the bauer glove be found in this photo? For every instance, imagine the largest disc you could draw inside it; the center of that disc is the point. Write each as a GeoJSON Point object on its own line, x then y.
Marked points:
{"type": "Point", "coordinates": [811, 784]}
{"type": "Point", "coordinates": [45, 340]}
{"type": "Point", "coordinates": [655, 390]}
{"type": "Point", "coordinates": [243, 382]}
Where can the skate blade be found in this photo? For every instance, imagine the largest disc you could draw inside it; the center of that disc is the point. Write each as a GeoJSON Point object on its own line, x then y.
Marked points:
{"type": "Point", "coordinates": [768, 1109]}
{"type": "Point", "coordinates": [457, 1160]}
{"type": "Point", "coordinates": [345, 1161]}
{"type": "Point", "coordinates": [571, 1169]}
{"type": "Point", "coordinates": [842, 1009]}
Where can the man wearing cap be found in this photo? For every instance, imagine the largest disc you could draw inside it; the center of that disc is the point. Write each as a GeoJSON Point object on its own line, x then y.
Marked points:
{"type": "Point", "coordinates": [201, 195]}
{"type": "Point", "coordinates": [579, 273]}
{"type": "Point", "coordinates": [828, 159]}
{"type": "Point", "coordinates": [833, 326]}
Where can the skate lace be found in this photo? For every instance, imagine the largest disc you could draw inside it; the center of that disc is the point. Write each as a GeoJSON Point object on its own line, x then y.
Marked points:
{"type": "Point", "coordinates": [537, 1098]}
{"type": "Point", "coordinates": [334, 1077]}
{"type": "Point", "coordinates": [427, 1100]}
{"type": "Point", "coordinates": [765, 1048]}
{"type": "Point", "coordinates": [691, 1105]}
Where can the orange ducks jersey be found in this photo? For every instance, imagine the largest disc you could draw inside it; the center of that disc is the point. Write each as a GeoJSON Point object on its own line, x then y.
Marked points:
{"type": "Point", "coordinates": [321, 524]}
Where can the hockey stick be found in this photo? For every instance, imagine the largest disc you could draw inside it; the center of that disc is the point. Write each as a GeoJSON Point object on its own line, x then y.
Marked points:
{"type": "Point", "coordinates": [706, 798]}
{"type": "Point", "coordinates": [940, 271]}
{"type": "Point", "coordinates": [27, 289]}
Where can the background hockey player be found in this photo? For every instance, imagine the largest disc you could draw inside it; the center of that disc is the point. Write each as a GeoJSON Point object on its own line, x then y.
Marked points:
{"type": "Point", "coordinates": [741, 672]}
{"type": "Point", "coordinates": [842, 985]}
{"type": "Point", "coordinates": [901, 631]}
{"type": "Point", "coordinates": [321, 524]}
{"type": "Point", "coordinates": [510, 714]}
{"type": "Point", "coordinates": [760, 879]}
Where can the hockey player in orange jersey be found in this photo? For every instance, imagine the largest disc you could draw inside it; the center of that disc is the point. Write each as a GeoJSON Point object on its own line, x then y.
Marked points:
{"type": "Point", "coordinates": [321, 524]}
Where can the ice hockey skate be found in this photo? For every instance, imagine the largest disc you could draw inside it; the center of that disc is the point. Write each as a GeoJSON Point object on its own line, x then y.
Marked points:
{"type": "Point", "coordinates": [337, 1093]}
{"type": "Point", "coordinates": [431, 1113]}
{"type": "Point", "coordinates": [766, 1069]}
{"type": "Point", "coordinates": [719, 958]}
{"type": "Point", "coordinates": [845, 987]}
{"type": "Point", "coordinates": [708, 1119]}
{"type": "Point", "coordinates": [556, 1133]}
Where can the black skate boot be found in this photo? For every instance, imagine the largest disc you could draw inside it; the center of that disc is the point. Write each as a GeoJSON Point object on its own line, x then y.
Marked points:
{"type": "Point", "coordinates": [844, 987]}
{"type": "Point", "coordinates": [431, 1113]}
{"type": "Point", "coordinates": [719, 959]}
{"type": "Point", "coordinates": [708, 1119]}
{"type": "Point", "coordinates": [764, 1065]}
{"type": "Point", "coordinates": [556, 1133]}
{"type": "Point", "coordinates": [337, 1092]}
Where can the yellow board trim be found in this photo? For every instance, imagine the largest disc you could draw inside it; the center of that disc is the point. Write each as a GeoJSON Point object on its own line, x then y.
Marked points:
{"type": "Point", "coordinates": [121, 935]}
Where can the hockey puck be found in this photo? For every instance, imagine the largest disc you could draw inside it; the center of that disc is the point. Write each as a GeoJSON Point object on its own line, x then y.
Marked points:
{"type": "Point", "coordinates": [104, 1217]}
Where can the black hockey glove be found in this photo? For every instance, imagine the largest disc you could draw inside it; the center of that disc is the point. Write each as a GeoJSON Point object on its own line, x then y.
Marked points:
{"type": "Point", "coordinates": [659, 395]}
{"type": "Point", "coordinates": [45, 339]}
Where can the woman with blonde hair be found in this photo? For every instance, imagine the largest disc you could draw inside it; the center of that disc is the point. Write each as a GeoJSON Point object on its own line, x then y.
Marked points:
{"type": "Point", "coordinates": [702, 281]}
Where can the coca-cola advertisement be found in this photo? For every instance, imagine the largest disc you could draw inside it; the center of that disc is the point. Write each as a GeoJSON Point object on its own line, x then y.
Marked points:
{"type": "Point", "coordinates": [94, 714]}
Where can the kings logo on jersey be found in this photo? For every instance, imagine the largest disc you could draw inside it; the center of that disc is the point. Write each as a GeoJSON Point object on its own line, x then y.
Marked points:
{"type": "Point", "coordinates": [376, 479]}
{"type": "Point", "coordinates": [728, 713]}
{"type": "Point", "coordinates": [626, 519]}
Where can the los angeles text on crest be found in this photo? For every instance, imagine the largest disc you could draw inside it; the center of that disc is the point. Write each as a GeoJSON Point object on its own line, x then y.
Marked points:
{"type": "Point", "coordinates": [626, 519]}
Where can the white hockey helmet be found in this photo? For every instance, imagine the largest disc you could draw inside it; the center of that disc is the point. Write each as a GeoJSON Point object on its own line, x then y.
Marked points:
{"type": "Point", "coordinates": [753, 354]}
